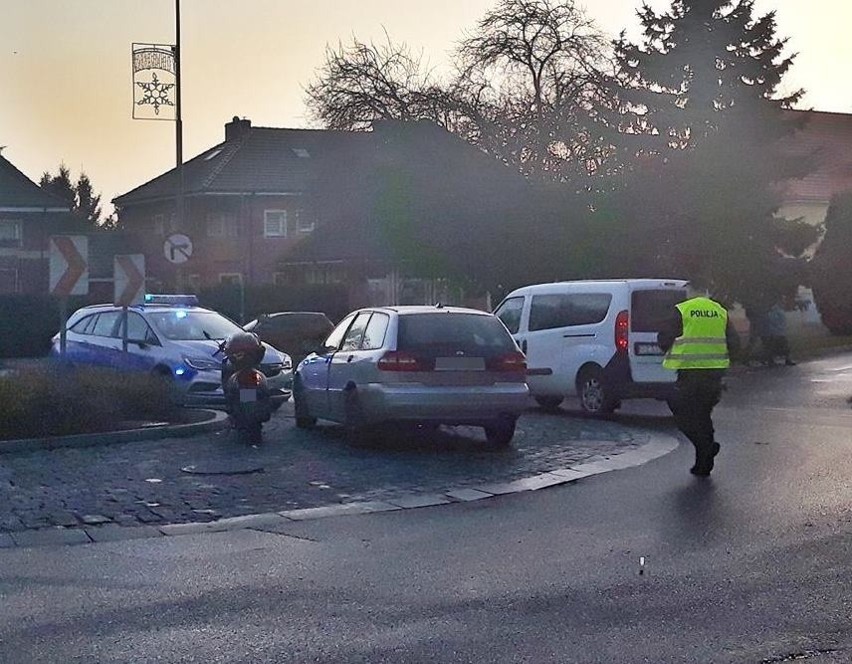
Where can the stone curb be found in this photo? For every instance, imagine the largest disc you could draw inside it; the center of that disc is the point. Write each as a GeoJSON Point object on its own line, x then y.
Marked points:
{"type": "Point", "coordinates": [661, 444]}
{"type": "Point", "coordinates": [215, 421]}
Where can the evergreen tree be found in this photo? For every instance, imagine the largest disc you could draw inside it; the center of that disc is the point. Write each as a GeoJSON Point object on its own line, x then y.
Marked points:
{"type": "Point", "coordinates": [80, 197]}
{"type": "Point", "coordinates": [88, 204]}
{"type": "Point", "coordinates": [699, 129]}
{"type": "Point", "coordinates": [60, 185]}
{"type": "Point", "coordinates": [831, 269]}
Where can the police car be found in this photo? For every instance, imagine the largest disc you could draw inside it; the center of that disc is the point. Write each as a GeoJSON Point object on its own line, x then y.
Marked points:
{"type": "Point", "coordinates": [168, 336]}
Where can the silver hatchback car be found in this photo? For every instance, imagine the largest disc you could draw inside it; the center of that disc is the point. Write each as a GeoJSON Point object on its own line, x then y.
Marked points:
{"type": "Point", "coordinates": [419, 364]}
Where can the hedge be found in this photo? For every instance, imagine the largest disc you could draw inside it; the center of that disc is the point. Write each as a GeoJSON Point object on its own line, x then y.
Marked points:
{"type": "Point", "coordinates": [27, 323]}
{"type": "Point", "coordinates": [330, 299]}
{"type": "Point", "coordinates": [56, 400]}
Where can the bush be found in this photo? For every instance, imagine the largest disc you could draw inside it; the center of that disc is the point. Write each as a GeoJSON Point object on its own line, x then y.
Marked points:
{"type": "Point", "coordinates": [28, 322]}
{"type": "Point", "coordinates": [831, 268]}
{"type": "Point", "coordinates": [57, 400]}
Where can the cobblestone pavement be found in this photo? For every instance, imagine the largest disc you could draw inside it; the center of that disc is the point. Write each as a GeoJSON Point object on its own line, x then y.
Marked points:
{"type": "Point", "coordinates": [144, 482]}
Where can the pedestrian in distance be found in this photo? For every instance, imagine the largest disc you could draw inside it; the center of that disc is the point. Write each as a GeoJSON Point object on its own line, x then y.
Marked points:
{"type": "Point", "coordinates": [698, 340]}
{"type": "Point", "coordinates": [775, 339]}
{"type": "Point", "coordinates": [755, 350]}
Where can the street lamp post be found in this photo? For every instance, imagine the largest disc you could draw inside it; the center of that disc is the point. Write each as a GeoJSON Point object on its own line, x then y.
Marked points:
{"type": "Point", "coordinates": [178, 139]}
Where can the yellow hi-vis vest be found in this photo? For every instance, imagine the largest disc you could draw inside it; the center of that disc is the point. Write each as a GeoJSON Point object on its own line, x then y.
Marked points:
{"type": "Point", "coordinates": [702, 344]}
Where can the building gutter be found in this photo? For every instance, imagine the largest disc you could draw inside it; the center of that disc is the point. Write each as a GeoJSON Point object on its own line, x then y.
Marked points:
{"type": "Point", "coordinates": [157, 199]}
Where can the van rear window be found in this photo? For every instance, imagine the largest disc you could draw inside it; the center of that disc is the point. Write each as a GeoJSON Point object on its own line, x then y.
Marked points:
{"type": "Point", "coordinates": [568, 309]}
{"type": "Point", "coordinates": [650, 309]}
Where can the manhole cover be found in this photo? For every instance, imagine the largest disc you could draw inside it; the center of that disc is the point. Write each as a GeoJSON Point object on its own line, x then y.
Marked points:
{"type": "Point", "coordinates": [223, 468]}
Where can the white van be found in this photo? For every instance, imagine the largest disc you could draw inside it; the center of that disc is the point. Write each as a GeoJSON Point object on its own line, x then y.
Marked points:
{"type": "Point", "coordinates": [593, 339]}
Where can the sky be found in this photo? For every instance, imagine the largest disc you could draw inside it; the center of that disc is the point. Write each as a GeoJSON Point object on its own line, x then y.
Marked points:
{"type": "Point", "coordinates": [65, 73]}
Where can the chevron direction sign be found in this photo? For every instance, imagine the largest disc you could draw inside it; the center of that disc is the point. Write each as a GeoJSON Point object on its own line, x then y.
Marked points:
{"type": "Point", "coordinates": [69, 265]}
{"type": "Point", "coordinates": [129, 277]}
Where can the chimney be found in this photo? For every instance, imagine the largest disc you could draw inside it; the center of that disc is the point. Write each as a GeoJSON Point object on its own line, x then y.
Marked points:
{"type": "Point", "coordinates": [237, 128]}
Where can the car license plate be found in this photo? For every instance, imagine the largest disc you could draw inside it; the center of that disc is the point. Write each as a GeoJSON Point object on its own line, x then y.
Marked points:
{"type": "Point", "coordinates": [248, 396]}
{"type": "Point", "coordinates": [459, 364]}
{"type": "Point", "coordinates": [648, 349]}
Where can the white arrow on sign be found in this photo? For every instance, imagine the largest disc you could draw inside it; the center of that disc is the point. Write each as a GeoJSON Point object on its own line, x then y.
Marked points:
{"type": "Point", "coordinates": [177, 248]}
{"type": "Point", "coordinates": [69, 265]}
{"type": "Point", "coordinates": [129, 276]}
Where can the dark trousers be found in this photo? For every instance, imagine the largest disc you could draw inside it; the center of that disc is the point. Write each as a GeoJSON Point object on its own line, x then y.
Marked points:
{"type": "Point", "coordinates": [776, 346]}
{"type": "Point", "coordinates": [697, 392]}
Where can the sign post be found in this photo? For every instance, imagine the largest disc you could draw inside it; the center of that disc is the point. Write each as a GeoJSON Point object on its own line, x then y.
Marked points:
{"type": "Point", "coordinates": [69, 275]}
{"type": "Point", "coordinates": [129, 279]}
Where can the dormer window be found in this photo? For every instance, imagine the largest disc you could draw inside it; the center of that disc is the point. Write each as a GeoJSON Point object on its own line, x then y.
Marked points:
{"type": "Point", "coordinates": [301, 153]}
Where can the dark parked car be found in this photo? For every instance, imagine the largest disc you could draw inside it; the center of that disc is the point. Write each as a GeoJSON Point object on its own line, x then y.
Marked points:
{"type": "Point", "coordinates": [297, 333]}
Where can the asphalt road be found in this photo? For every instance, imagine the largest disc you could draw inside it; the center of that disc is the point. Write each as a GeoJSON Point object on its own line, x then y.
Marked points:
{"type": "Point", "coordinates": [751, 565]}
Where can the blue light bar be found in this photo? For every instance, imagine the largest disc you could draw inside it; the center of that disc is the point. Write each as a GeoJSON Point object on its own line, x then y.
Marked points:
{"type": "Point", "coordinates": [172, 300]}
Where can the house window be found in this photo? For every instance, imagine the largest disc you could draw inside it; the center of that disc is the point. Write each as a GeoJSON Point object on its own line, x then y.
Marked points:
{"type": "Point", "coordinates": [280, 279]}
{"type": "Point", "coordinates": [10, 233]}
{"type": "Point", "coordinates": [221, 224]}
{"type": "Point", "coordinates": [8, 281]}
{"type": "Point", "coordinates": [314, 276]}
{"type": "Point", "coordinates": [321, 275]}
{"type": "Point", "coordinates": [275, 223]}
{"type": "Point", "coordinates": [159, 224]}
{"type": "Point", "coordinates": [303, 222]}
{"type": "Point", "coordinates": [231, 279]}
{"type": "Point", "coordinates": [194, 282]}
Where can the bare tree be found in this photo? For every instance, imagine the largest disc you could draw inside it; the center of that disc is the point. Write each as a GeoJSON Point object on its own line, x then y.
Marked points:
{"type": "Point", "coordinates": [528, 81]}
{"type": "Point", "coordinates": [539, 69]}
{"type": "Point", "coordinates": [362, 82]}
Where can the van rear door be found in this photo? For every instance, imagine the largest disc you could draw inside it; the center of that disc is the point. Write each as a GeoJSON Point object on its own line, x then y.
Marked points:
{"type": "Point", "coordinates": [650, 306]}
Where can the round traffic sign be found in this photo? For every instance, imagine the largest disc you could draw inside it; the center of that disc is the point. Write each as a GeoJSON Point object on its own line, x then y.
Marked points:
{"type": "Point", "coordinates": [177, 248]}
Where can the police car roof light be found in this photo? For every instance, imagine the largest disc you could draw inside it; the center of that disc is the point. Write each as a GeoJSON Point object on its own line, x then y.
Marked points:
{"type": "Point", "coordinates": [172, 300]}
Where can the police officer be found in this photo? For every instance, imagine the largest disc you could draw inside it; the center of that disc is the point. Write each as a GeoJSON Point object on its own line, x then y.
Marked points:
{"type": "Point", "coordinates": [698, 340]}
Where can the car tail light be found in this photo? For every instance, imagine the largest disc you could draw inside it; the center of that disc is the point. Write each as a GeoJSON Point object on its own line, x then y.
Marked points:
{"type": "Point", "coordinates": [622, 325]}
{"type": "Point", "coordinates": [249, 379]}
{"type": "Point", "coordinates": [513, 362]}
{"type": "Point", "coordinates": [397, 360]}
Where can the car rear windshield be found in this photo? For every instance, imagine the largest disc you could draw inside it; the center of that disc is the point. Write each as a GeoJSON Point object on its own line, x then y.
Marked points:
{"type": "Point", "coordinates": [183, 325]}
{"type": "Point", "coordinates": [651, 308]}
{"type": "Point", "coordinates": [453, 332]}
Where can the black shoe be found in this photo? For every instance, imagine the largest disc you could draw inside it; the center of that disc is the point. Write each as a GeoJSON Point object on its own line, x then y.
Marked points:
{"type": "Point", "coordinates": [703, 467]}
{"type": "Point", "coordinates": [789, 363]}
{"type": "Point", "coordinates": [702, 470]}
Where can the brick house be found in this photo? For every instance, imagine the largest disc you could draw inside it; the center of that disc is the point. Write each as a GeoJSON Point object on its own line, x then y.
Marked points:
{"type": "Point", "coordinates": [826, 140]}
{"type": "Point", "coordinates": [28, 217]}
{"type": "Point", "coordinates": [300, 206]}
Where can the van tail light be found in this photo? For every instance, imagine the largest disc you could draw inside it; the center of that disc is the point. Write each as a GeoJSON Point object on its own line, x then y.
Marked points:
{"type": "Point", "coordinates": [513, 362]}
{"type": "Point", "coordinates": [622, 325]}
{"type": "Point", "coordinates": [398, 360]}
{"type": "Point", "coordinates": [249, 379]}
